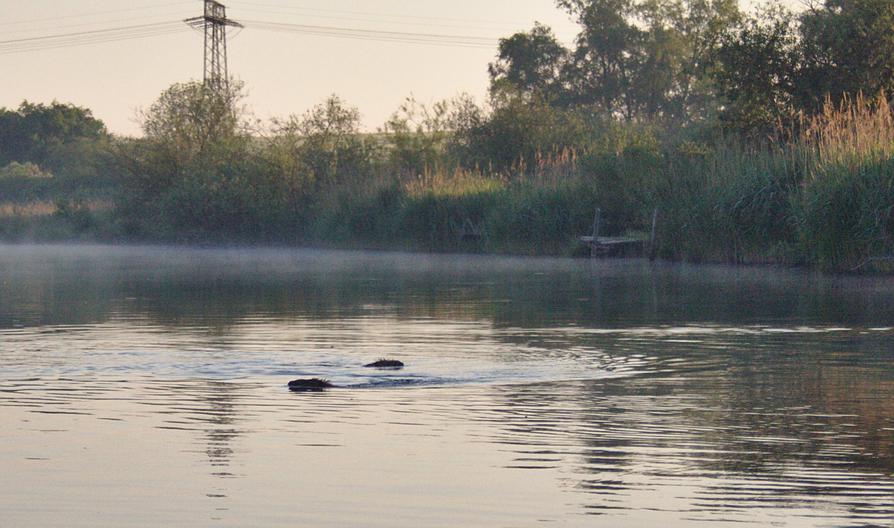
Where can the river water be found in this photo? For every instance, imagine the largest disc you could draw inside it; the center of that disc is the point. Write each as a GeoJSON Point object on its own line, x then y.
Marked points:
{"type": "Point", "coordinates": [147, 387]}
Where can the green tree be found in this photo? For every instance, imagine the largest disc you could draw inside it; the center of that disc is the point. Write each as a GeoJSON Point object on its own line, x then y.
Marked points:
{"type": "Point", "coordinates": [647, 59]}
{"type": "Point", "coordinates": [607, 55]}
{"type": "Point", "coordinates": [848, 48]}
{"type": "Point", "coordinates": [531, 63]}
{"type": "Point", "coordinates": [325, 144]}
{"type": "Point", "coordinates": [432, 136]}
{"type": "Point", "coordinates": [34, 131]}
{"type": "Point", "coordinates": [682, 38]}
{"type": "Point", "coordinates": [197, 172]}
{"type": "Point", "coordinates": [192, 122]}
{"type": "Point", "coordinates": [518, 130]}
{"type": "Point", "coordinates": [776, 65]}
{"type": "Point", "coordinates": [757, 73]}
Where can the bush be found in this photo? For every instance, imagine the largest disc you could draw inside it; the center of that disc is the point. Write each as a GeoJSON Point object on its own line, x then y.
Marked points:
{"type": "Point", "coordinates": [23, 171]}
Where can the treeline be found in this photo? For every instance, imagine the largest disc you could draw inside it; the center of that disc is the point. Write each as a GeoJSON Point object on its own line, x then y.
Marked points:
{"type": "Point", "coordinates": [759, 137]}
{"type": "Point", "coordinates": [39, 140]}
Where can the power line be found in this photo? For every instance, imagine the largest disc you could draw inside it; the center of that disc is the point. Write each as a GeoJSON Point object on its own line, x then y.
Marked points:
{"type": "Point", "coordinates": [288, 8]}
{"type": "Point", "coordinates": [116, 22]}
{"type": "Point", "coordinates": [93, 13]}
{"type": "Point", "coordinates": [376, 35]}
{"type": "Point", "coordinates": [69, 44]}
{"type": "Point", "coordinates": [97, 36]}
{"type": "Point", "coordinates": [360, 19]}
{"type": "Point", "coordinates": [90, 42]}
{"type": "Point", "coordinates": [85, 33]}
{"type": "Point", "coordinates": [140, 31]}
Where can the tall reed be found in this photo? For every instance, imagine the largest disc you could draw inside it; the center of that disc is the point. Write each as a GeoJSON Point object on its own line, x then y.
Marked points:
{"type": "Point", "coordinates": [847, 193]}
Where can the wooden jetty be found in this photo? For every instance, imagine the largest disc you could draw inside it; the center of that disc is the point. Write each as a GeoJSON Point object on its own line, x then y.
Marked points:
{"type": "Point", "coordinates": [605, 246]}
{"type": "Point", "coordinates": [615, 246]}
{"type": "Point", "coordinates": [471, 232]}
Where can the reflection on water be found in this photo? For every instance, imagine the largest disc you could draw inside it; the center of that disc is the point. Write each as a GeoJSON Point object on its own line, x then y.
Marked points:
{"type": "Point", "coordinates": [145, 387]}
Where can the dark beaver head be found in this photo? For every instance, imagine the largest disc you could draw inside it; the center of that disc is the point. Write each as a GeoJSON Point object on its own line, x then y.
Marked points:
{"type": "Point", "coordinates": [386, 363]}
{"type": "Point", "coordinates": [313, 384]}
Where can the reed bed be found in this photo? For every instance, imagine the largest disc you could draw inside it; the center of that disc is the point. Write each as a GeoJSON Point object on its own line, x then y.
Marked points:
{"type": "Point", "coordinates": [27, 211]}
{"type": "Point", "coordinates": [845, 206]}
{"type": "Point", "coordinates": [819, 195]}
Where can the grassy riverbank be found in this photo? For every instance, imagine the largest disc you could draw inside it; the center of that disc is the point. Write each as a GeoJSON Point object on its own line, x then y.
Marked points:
{"type": "Point", "coordinates": [822, 199]}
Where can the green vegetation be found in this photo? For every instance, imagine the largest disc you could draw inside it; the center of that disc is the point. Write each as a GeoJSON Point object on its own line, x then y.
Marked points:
{"type": "Point", "coordinates": [748, 133]}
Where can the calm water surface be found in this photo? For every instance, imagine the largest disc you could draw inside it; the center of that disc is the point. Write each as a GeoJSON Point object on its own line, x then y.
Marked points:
{"type": "Point", "coordinates": [146, 387]}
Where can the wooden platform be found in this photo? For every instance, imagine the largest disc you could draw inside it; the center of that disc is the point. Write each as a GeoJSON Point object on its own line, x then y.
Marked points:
{"type": "Point", "coordinates": [603, 246]}
{"type": "Point", "coordinates": [615, 246]}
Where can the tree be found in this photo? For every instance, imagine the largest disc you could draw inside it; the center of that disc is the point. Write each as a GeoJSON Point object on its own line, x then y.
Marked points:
{"type": "Point", "coordinates": [848, 48]}
{"type": "Point", "coordinates": [757, 73]}
{"type": "Point", "coordinates": [608, 52]}
{"type": "Point", "coordinates": [191, 127]}
{"type": "Point", "coordinates": [531, 63]}
{"type": "Point", "coordinates": [424, 136]}
{"type": "Point", "coordinates": [696, 28]}
{"type": "Point", "coordinates": [325, 143]}
{"type": "Point", "coordinates": [776, 65]}
{"type": "Point", "coordinates": [519, 130]}
{"type": "Point", "coordinates": [647, 59]}
{"type": "Point", "coordinates": [34, 131]}
{"type": "Point", "coordinates": [192, 122]}
{"type": "Point", "coordinates": [196, 171]}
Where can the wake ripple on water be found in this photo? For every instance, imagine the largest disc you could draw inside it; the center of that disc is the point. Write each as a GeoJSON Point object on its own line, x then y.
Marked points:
{"type": "Point", "coordinates": [677, 424]}
{"type": "Point", "coordinates": [626, 448]}
{"type": "Point", "coordinates": [435, 352]}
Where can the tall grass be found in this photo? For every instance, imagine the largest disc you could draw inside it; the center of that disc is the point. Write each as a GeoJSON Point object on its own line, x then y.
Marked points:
{"type": "Point", "coordinates": [458, 182]}
{"type": "Point", "coordinates": [540, 210]}
{"type": "Point", "coordinates": [846, 201]}
{"type": "Point", "coordinates": [45, 220]}
{"type": "Point", "coordinates": [26, 210]}
{"type": "Point", "coordinates": [822, 197]}
{"type": "Point", "coordinates": [731, 205]}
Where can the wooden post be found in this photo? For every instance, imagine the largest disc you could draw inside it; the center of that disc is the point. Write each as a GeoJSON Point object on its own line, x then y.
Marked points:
{"type": "Point", "coordinates": [597, 223]}
{"type": "Point", "coordinates": [652, 249]}
{"type": "Point", "coordinates": [597, 220]}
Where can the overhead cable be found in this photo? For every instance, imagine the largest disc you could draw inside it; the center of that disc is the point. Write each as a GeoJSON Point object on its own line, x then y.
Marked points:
{"type": "Point", "coordinates": [96, 36]}
{"type": "Point", "coordinates": [375, 35]}
{"type": "Point", "coordinates": [139, 31]}
{"type": "Point", "coordinates": [94, 13]}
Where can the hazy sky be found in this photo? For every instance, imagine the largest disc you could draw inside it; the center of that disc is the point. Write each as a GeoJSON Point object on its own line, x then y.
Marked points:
{"type": "Point", "coordinates": [285, 72]}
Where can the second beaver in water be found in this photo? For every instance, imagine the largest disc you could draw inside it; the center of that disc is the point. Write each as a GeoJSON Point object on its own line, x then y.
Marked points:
{"type": "Point", "coordinates": [310, 385]}
{"type": "Point", "coordinates": [386, 363]}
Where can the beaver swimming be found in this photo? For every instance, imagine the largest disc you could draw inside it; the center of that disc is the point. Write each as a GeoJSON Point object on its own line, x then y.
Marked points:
{"type": "Point", "coordinates": [386, 363]}
{"type": "Point", "coordinates": [310, 385]}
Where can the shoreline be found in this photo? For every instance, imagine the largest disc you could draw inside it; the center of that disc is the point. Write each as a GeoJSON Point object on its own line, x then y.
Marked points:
{"type": "Point", "coordinates": [321, 250]}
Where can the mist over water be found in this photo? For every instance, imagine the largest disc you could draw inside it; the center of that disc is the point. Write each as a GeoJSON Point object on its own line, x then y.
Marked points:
{"type": "Point", "coordinates": [146, 387]}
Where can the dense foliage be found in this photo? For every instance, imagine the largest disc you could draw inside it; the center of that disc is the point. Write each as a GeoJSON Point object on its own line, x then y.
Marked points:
{"type": "Point", "coordinates": [36, 132]}
{"type": "Point", "coordinates": [759, 137]}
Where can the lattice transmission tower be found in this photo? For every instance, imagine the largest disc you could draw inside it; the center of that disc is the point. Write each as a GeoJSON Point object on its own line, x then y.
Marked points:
{"type": "Point", "coordinates": [215, 24]}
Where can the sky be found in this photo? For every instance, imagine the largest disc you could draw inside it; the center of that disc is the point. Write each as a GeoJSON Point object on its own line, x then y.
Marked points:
{"type": "Point", "coordinates": [285, 72]}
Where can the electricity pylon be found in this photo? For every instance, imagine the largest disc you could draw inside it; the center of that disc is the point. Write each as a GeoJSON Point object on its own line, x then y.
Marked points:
{"type": "Point", "coordinates": [215, 24]}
